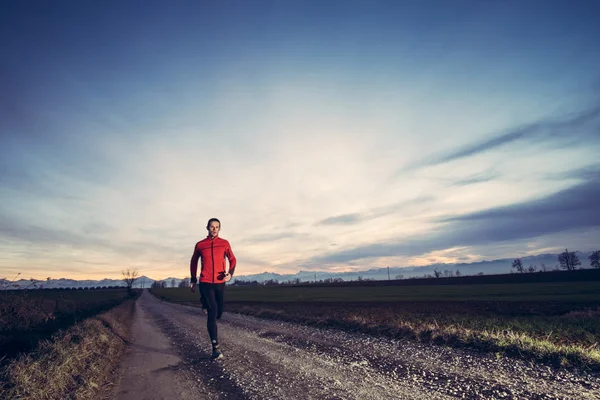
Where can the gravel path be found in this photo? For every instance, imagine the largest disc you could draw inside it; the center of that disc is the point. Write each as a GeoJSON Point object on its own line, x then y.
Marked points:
{"type": "Point", "coordinates": [266, 359]}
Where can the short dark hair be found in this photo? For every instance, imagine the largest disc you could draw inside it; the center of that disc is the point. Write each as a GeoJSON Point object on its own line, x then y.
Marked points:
{"type": "Point", "coordinates": [212, 220]}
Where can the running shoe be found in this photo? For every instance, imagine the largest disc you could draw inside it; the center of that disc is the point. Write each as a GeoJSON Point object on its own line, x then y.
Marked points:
{"type": "Point", "coordinates": [216, 353]}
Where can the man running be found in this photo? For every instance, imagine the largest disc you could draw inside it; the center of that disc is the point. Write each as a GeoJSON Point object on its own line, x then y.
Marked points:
{"type": "Point", "coordinates": [212, 252]}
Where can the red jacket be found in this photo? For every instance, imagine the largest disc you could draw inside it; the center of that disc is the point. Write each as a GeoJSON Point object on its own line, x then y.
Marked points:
{"type": "Point", "coordinates": [212, 253]}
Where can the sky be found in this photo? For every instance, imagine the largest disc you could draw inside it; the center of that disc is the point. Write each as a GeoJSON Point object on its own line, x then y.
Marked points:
{"type": "Point", "coordinates": [325, 135]}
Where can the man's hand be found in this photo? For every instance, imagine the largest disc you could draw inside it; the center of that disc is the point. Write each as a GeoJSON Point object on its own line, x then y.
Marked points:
{"type": "Point", "coordinates": [193, 287]}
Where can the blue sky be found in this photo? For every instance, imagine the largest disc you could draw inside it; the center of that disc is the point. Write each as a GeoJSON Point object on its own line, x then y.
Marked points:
{"type": "Point", "coordinates": [325, 135]}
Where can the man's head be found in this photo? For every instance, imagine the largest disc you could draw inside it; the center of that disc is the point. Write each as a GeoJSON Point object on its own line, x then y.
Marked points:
{"type": "Point", "coordinates": [213, 227]}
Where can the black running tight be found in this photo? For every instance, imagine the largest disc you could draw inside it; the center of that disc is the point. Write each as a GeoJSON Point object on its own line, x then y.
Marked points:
{"type": "Point", "coordinates": [213, 293]}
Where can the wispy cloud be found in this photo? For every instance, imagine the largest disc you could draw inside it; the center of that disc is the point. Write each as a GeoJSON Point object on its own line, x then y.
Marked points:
{"type": "Point", "coordinates": [587, 173]}
{"type": "Point", "coordinates": [272, 237]}
{"type": "Point", "coordinates": [355, 218]}
{"type": "Point", "coordinates": [583, 125]}
{"type": "Point", "coordinates": [573, 208]}
{"type": "Point", "coordinates": [346, 219]}
{"type": "Point", "coordinates": [95, 237]}
{"type": "Point", "coordinates": [570, 209]}
{"type": "Point", "coordinates": [477, 178]}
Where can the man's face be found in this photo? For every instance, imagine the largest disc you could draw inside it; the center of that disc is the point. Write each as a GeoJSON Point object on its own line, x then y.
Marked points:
{"type": "Point", "coordinates": [213, 229]}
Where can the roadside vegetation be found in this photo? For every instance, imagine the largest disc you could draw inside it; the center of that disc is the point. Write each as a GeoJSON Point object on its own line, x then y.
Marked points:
{"type": "Point", "coordinates": [553, 322]}
{"type": "Point", "coordinates": [61, 343]}
{"type": "Point", "coordinates": [567, 339]}
{"type": "Point", "coordinates": [26, 316]}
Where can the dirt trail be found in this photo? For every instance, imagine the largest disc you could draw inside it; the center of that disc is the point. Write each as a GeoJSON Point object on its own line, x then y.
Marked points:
{"type": "Point", "coordinates": [170, 359]}
{"type": "Point", "coordinates": [150, 366]}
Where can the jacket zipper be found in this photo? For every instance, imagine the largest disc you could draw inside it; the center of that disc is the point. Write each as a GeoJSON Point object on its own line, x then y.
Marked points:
{"type": "Point", "coordinates": [212, 252]}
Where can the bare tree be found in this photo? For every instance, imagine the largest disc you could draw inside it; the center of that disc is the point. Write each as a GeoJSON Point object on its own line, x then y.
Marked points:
{"type": "Point", "coordinates": [518, 265]}
{"type": "Point", "coordinates": [436, 272]}
{"type": "Point", "coordinates": [595, 259]}
{"type": "Point", "coordinates": [532, 268]}
{"type": "Point", "coordinates": [173, 283]}
{"type": "Point", "coordinates": [130, 276]}
{"type": "Point", "coordinates": [568, 260]}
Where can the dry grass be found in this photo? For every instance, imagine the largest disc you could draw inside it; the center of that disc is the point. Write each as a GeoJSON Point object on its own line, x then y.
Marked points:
{"type": "Point", "coordinates": [26, 317]}
{"type": "Point", "coordinates": [568, 340]}
{"type": "Point", "coordinates": [19, 311]}
{"type": "Point", "coordinates": [29, 309]}
{"type": "Point", "coordinates": [72, 364]}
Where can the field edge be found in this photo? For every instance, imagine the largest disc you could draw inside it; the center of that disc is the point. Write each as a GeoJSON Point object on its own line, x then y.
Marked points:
{"type": "Point", "coordinates": [74, 363]}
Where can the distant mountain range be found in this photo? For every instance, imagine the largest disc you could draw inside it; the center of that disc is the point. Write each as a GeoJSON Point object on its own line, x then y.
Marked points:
{"type": "Point", "coordinates": [64, 283]}
{"type": "Point", "coordinates": [501, 266]}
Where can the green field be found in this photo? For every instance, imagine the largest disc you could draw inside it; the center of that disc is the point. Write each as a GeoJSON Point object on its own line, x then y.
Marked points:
{"type": "Point", "coordinates": [555, 291]}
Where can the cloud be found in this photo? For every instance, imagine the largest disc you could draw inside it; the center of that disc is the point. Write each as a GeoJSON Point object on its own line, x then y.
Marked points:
{"type": "Point", "coordinates": [400, 206]}
{"type": "Point", "coordinates": [36, 235]}
{"type": "Point", "coordinates": [587, 173]}
{"type": "Point", "coordinates": [345, 219]}
{"type": "Point", "coordinates": [353, 218]}
{"type": "Point", "coordinates": [478, 178]}
{"type": "Point", "coordinates": [583, 125]}
{"type": "Point", "coordinates": [90, 237]}
{"type": "Point", "coordinates": [575, 208]}
{"type": "Point", "coordinates": [271, 237]}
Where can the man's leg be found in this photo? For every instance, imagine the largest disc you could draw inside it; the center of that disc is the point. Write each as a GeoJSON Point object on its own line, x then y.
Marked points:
{"type": "Point", "coordinates": [208, 293]}
{"type": "Point", "coordinates": [208, 290]}
{"type": "Point", "coordinates": [219, 292]}
{"type": "Point", "coordinates": [203, 301]}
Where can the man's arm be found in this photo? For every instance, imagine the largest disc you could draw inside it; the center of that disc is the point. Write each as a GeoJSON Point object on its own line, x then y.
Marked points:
{"type": "Point", "coordinates": [194, 265]}
{"type": "Point", "coordinates": [231, 258]}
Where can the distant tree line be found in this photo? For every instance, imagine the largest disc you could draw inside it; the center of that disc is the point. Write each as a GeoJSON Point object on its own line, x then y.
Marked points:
{"type": "Point", "coordinates": [160, 284]}
{"type": "Point", "coordinates": [297, 281]}
{"type": "Point", "coordinates": [567, 260]}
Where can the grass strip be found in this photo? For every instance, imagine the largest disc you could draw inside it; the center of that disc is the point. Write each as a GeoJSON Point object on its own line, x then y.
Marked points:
{"type": "Point", "coordinates": [72, 364]}
{"type": "Point", "coordinates": [567, 341]}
